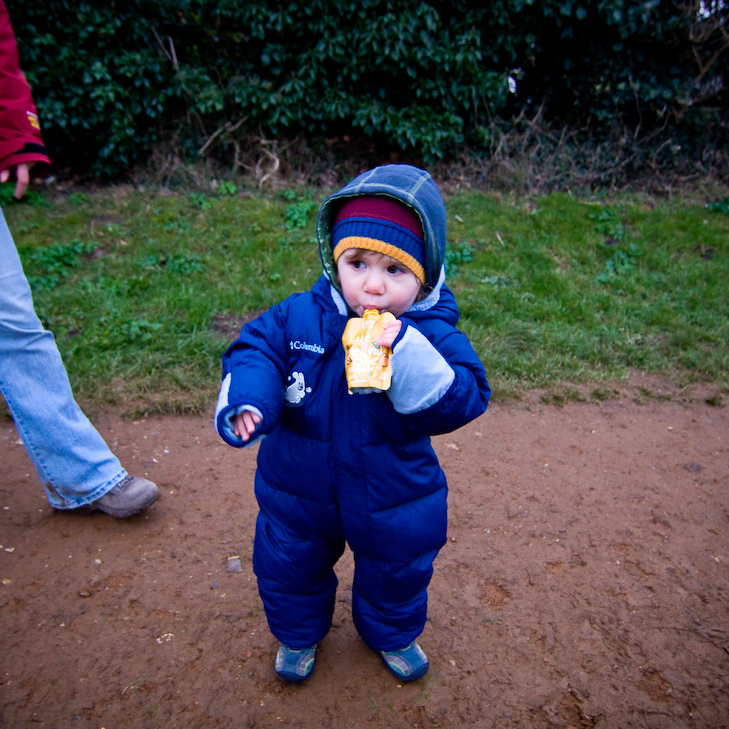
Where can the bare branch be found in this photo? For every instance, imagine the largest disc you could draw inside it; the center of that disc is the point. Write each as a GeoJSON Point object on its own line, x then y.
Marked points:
{"type": "Point", "coordinates": [161, 45]}
{"type": "Point", "coordinates": [227, 128]}
{"type": "Point", "coordinates": [174, 55]}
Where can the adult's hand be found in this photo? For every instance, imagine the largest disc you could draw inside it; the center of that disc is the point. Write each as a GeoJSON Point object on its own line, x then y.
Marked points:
{"type": "Point", "coordinates": [22, 175]}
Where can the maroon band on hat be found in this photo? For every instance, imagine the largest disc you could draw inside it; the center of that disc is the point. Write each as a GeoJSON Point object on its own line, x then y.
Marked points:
{"type": "Point", "coordinates": [382, 208]}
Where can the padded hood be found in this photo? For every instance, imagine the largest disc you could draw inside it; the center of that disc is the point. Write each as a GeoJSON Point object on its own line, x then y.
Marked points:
{"type": "Point", "coordinates": [410, 185]}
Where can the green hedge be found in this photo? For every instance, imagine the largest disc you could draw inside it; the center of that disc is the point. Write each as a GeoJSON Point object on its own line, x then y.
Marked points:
{"type": "Point", "coordinates": [429, 77]}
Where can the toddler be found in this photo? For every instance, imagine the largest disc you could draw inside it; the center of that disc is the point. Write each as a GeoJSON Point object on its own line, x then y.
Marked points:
{"type": "Point", "coordinates": [359, 469]}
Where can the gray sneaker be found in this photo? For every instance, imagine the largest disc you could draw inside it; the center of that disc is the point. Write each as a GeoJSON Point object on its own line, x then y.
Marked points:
{"type": "Point", "coordinates": [130, 496]}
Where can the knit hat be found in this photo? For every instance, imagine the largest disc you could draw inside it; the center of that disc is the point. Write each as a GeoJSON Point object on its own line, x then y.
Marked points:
{"type": "Point", "coordinates": [384, 225]}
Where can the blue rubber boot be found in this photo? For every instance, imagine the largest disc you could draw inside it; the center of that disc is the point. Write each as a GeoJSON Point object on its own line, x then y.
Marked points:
{"type": "Point", "coordinates": [408, 664]}
{"type": "Point", "coordinates": [294, 666]}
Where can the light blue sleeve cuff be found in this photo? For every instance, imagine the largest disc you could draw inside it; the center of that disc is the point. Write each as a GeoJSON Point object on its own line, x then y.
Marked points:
{"type": "Point", "coordinates": [420, 374]}
{"type": "Point", "coordinates": [224, 415]}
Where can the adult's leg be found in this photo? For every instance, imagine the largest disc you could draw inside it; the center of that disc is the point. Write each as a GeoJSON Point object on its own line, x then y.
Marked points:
{"type": "Point", "coordinates": [71, 458]}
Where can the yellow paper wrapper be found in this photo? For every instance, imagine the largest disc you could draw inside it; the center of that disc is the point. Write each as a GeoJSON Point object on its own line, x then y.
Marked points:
{"type": "Point", "coordinates": [367, 365]}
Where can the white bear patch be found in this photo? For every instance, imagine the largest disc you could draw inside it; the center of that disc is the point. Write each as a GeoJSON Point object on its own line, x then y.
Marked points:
{"type": "Point", "coordinates": [297, 390]}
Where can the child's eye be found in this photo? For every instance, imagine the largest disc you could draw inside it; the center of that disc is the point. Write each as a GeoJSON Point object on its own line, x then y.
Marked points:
{"type": "Point", "coordinates": [394, 269]}
{"type": "Point", "coordinates": [357, 264]}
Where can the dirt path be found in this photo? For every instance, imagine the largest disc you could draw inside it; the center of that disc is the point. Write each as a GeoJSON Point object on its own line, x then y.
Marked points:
{"type": "Point", "coordinates": [584, 585]}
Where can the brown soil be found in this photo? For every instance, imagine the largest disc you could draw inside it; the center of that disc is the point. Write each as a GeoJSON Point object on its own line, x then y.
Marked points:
{"type": "Point", "coordinates": [584, 584]}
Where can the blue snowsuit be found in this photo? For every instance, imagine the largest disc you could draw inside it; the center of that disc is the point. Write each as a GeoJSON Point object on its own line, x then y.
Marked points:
{"type": "Point", "coordinates": [336, 467]}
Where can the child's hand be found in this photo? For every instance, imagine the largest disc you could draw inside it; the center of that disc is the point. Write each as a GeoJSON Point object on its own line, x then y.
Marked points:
{"type": "Point", "coordinates": [245, 424]}
{"type": "Point", "coordinates": [392, 329]}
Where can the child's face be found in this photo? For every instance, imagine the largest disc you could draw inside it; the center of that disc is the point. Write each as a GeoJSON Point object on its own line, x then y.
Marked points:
{"type": "Point", "coordinates": [372, 280]}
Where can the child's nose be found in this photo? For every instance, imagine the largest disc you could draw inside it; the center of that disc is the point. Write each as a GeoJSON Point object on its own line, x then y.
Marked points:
{"type": "Point", "coordinates": [375, 283]}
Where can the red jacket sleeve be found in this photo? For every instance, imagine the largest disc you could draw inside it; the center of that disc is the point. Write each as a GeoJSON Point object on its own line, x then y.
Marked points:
{"type": "Point", "coordinates": [20, 137]}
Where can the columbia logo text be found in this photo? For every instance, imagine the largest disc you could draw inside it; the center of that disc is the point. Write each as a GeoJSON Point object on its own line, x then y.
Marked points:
{"type": "Point", "coordinates": [317, 348]}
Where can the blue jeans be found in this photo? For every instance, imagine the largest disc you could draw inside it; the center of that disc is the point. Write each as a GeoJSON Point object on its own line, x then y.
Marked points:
{"type": "Point", "coordinates": [73, 462]}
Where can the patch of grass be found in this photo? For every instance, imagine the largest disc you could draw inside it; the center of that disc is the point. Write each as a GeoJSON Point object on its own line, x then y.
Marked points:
{"type": "Point", "coordinates": [603, 394]}
{"type": "Point", "coordinates": [55, 261]}
{"type": "Point", "coordinates": [298, 214]}
{"type": "Point", "coordinates": [455, 255]}
{"type": "Point", "coordinates": [561, 395]}
{"type": "Point", "coordinates": [553, 290]}
{"type": "Point", "coordinates": [134, 309]}
{"type": "Point", "coordinates": [591, 290]}
{"type": "Point", "coordinates": [648, 394]}
{"type": "Point", "coordinates": [720, 206]}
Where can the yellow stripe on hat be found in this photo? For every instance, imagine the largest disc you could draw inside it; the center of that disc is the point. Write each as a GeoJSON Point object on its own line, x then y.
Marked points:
{"type": "Point", "coordinates": [379, 246]}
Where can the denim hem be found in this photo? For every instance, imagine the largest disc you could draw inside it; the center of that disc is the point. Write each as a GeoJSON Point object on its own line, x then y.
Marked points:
{"type": "Point", "coordinates": [58, 502]}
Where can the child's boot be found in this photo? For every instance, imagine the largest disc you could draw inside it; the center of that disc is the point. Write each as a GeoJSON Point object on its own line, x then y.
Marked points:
{"type": "Point", "coordinates": [294, 665]}
{"type": "Point", "coordinates": [408, 664]}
